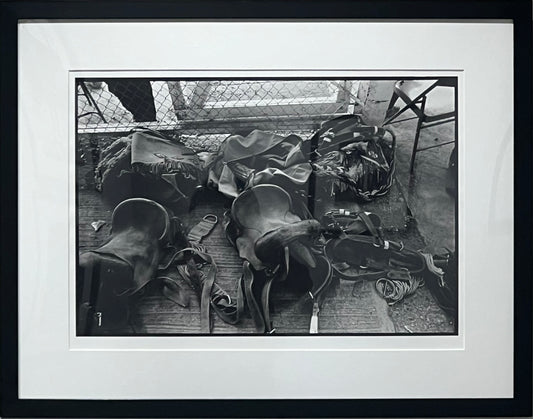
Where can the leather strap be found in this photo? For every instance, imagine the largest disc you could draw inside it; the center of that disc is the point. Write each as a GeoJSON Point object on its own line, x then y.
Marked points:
{"type": "Point", "coordinates": [251, 302]}
{"type": "Point", "coordinates": [265, 302]}
{"type": "Point", "coordinates": [255, 287]}
{"type": "Point", "coordinates": [392, 256]}
{"type": "Point", "coordinates": [336, 135]}
{"type": "Point", "coordinates": [358, 134]}
{"type": "Point", "coordinates": [205, 288]}
{"type": "Point", "coordinates": [340, 123]}
{"type": "Point", "coordinates": [318, 292]}
{"type": "Point", "coordinates": [203, 228]}
{"type": "Point", "coordinates": [371, 227]}
{"type": "Point", "coordinates": [205, 300]}
{"type": "Point", "coordinates": [333, 125]}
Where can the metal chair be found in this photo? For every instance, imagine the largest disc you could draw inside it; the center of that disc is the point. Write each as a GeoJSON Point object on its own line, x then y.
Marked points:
{"type": "Point", "coordinates": [415, 100]}
{"type": "Point", "coordinates": [90, 99]}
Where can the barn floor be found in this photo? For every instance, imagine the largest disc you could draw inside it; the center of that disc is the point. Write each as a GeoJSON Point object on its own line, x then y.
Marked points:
{"type": "Point", "coordinates": [417, 211]}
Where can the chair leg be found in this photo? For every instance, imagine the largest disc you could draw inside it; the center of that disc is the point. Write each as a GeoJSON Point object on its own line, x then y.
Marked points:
{"type": "Point", "coordinates": [91, 100]}
{"type": "Point", "coordinates": [417, 134]}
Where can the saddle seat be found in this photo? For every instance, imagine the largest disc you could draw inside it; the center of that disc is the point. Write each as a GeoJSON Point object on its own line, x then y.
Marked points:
{"type": "Point", "coordinates": [263, 215]}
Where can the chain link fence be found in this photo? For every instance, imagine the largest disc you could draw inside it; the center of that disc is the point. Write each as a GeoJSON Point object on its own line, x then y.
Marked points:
{"type": "Point", "coordinates": [116, 105]}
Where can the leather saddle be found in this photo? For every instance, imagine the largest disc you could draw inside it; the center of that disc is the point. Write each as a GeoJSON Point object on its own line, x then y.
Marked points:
{"type": "Point", "coordinates": [358, 251]}
{"type": "Point", "coordinates": [147, 243]}
{"type": "Point", "coordinates": [269, 236]}
{"type": "Point", "coordinates": [108, 275]}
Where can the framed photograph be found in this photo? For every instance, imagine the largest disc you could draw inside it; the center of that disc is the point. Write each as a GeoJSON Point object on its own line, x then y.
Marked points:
{"type": "Point", "coordinates": [266, 209]}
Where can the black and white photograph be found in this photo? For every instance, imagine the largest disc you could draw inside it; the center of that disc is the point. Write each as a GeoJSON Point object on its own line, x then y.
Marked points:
{"type": "Point", "coordinates": [231, 208]}
{"type": "Point", "coordinates": [266, 206]}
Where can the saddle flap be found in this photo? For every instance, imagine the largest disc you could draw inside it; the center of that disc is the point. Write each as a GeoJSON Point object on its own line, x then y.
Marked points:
{"type": "Point", "coordinates": [103, 285]}
{"type": "Point", "coordinates": [108, 275]}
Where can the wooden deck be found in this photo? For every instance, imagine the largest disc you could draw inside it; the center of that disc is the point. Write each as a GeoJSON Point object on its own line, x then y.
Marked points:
{"type": "Point", "coordinates": [365, 312]}
{"type": "Point", "coordinates": [348, 309]}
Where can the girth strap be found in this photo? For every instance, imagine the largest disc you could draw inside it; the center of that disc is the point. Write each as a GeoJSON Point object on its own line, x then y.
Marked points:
{"type": "Point", "coordinates": [265, 302]}
{"type": "Point", "coordinates": [254, 290]}
{"type": "Point", "coordinates": [210, 294]}
{"type": "Point", "coordinates": [251, 302]}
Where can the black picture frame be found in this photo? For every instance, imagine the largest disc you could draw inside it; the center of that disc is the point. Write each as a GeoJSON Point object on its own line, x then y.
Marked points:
{"type": "Point", "coordinates": [519, 11]}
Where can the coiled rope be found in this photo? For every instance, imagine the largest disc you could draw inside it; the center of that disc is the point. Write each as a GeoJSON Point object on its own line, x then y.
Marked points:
{"type": "Point", "coordinates": [394, 290]}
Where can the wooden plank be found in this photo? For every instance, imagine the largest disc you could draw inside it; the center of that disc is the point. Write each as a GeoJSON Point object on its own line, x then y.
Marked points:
{"type": "Point", "coordinates": [124, 128]}
{"type": "Point", "coordinates": [272, 102]}
{"type": "Point", "coordinates": [287, 124]}
{"type": "Point", "coordinates": [265, 111]}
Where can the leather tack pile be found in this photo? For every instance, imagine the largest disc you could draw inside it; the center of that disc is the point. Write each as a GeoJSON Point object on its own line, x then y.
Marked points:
{"type": "Point", "coordinates": [274, 184]}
